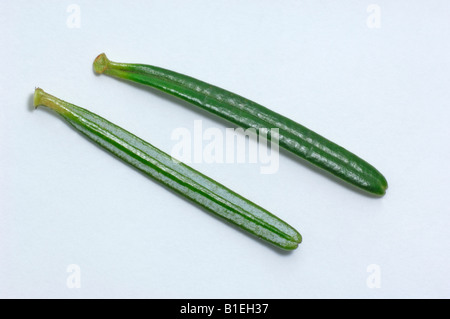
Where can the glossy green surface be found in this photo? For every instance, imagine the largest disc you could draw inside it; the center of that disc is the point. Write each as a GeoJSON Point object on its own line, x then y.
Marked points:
{"type": "Point", "coordinates": [188, 182]}
{"type": "Point", "coordinates": [245, 113]}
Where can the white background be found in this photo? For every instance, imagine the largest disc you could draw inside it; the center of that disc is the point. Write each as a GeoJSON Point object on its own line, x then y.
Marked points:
{"type": "Point", "coordinates": [383, 93]}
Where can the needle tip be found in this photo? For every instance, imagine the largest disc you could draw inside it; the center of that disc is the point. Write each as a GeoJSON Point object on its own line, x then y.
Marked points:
{"type": "Point", "coordinates": [101, 63]}
{"type": "Point", "coordinates": [38, 93]}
